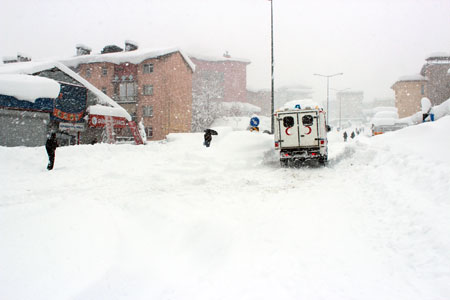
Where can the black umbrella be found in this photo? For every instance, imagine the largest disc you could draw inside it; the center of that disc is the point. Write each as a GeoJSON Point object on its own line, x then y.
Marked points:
{"type": "Point", "coordinates": [211, 131]}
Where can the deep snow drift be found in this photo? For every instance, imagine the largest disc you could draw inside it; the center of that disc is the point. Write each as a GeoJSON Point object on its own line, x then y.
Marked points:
{"type": "Point", "coordinates": [175, 220]}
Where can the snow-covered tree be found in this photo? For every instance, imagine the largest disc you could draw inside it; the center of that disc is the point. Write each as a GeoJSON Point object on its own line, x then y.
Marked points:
{"type": "Point", "coordinates": [207, 91]}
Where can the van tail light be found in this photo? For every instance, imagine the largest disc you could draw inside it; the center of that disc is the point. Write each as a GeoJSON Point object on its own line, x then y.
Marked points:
{"type": "Point", "coordinates": [313, 154]}
{"type": "Point", "coordinates": [322, 142]}
{"type": "Point", "coordinates": [277, 144]}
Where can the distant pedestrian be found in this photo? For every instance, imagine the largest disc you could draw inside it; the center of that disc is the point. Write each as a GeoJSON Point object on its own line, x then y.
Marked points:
{"type": "Point", "coordinates": [352, 135]}
{"type": "Point", "coordinates": [51, 146]}
{"type": "Point", "coordinates": [345, 136]}
{"type": "Point", "coordinates": [208, 136]}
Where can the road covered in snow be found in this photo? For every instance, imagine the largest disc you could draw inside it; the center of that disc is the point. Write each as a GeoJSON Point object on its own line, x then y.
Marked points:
{"type": "Point", "coordinates": [176, 220]}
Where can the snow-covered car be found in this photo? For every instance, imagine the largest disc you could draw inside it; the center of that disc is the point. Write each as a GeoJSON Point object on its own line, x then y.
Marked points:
{"type": "Point", "coordinates": [384, 121]}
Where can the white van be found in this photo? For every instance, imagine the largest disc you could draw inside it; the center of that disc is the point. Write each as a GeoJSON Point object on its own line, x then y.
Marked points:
{"type": "Point", "coordinates": [301, 135]}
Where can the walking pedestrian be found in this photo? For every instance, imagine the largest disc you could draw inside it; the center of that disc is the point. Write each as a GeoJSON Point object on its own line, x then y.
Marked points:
{"type": "Point", "coordinates": [208, 136]}
{"type": "Point", "coordinates": [51, 146]}
{"type": "Point", "coordinates": [345, 136]}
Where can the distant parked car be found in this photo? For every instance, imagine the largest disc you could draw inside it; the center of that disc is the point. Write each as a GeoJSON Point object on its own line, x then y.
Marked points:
{"type": "Point", "coordinates": [385, 121]}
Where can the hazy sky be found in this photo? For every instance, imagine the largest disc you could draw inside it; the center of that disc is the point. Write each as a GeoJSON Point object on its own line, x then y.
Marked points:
{"type": "Point", "coordinates": [372, 42]}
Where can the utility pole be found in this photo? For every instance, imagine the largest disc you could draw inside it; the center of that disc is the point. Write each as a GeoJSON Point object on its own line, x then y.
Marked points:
{"type": "Point", "coordinates": [272, 101]}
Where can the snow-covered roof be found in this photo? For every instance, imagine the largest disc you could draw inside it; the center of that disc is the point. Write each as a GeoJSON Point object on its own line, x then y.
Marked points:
{"type": "Point", "coordinates": [27, 87]}
{"type": "Point", "coordinates": [243, 106]}
{"type": "Point", "coordinates": [437, 55]}
{"type": "Point", "coordinates": [386, 114]}
{"type": "Point", "coordinates": [218, 58]}
{"type": "Point", "coordinates": [416, 77]}
{"type": "Point", "coordinates": [295, 88]}
{"type": "Point", "coordinates": [134, 57]}
{"type": "Point", "coordinates": [385, 108]}
{"type": "Point", "coordinates": [34, 67]}
{"type": "Point", "coordinates": [82, 46]}
{"type": "Point", "coordinates": [304, 104]}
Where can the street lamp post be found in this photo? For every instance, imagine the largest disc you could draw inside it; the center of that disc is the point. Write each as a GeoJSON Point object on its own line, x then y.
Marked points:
{"type": "Point", "coordinates": [272, 90]}
{"type": "Point", "coordinates": [328, 89]}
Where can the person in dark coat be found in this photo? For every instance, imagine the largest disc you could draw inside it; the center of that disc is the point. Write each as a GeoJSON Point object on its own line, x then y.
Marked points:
{"type": "Point", "coordinates": [51, 146]}
{"type": "Point", "coordinates": [208, 136]}
{"type": "Point", "coordinates": [352, 135]}
{"type": "Point", "coordinates": [345, 136]}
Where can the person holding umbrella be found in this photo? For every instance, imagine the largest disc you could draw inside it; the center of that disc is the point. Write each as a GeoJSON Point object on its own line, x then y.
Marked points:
{"type": "Point", "coordinates": [208, 136]}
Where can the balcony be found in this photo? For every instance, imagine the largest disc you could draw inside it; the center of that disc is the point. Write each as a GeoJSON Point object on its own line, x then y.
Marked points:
{"type": "Point", "coordinates": [125, 99]}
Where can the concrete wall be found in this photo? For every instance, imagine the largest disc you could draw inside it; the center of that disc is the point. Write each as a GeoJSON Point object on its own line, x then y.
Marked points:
{"type": "Point", "coordinates": [23, 128]}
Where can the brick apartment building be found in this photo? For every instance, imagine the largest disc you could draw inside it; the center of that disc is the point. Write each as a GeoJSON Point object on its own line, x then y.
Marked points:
{"type": "Point", "coordinates": [216, 80]}
{"type": "Point", "coordinates": [433, 82]}
{"type": "Point", "coordinates": [227, 75]}
{"type": "Point", "coordinates": [152, 85]}
{"type": "Point", "coordinates": [262, 99]}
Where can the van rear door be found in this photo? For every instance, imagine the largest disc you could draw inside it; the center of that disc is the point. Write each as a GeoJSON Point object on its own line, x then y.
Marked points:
{"type": "Point", "coordinates": [308, 128]}
{"type": "Point", "coordinates": [288, 128]}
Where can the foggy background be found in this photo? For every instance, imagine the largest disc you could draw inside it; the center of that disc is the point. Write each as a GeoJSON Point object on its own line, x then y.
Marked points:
{"type": "Point", "coordinates": [371, 42]}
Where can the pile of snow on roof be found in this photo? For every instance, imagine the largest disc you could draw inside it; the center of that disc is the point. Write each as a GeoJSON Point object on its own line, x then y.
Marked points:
{"type": "Point", "coordinates": [27, 87]}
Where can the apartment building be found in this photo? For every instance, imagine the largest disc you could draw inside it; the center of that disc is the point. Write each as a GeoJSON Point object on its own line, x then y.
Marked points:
{"type": "Point", "coordinates": [154, 86]}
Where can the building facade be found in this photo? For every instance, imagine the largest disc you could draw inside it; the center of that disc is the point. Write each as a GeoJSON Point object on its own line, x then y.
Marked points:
{"type": "Point", "coordinates": [436, 71]}
{"type": "Point", "coordinates": [409, 90]}
{"type": "Point", "coordinates": [27, 123]}
{"type": "Point", "coordinates": [262, 99]}
{"type": "Point", "coordinates": [433, 82]}
{"type": "Point", "coordinates": [154, 86]}
{"type": "Point", "coordinates": [216, 80]}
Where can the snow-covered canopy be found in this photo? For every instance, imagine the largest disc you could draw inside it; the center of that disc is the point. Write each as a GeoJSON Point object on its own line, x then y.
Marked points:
{"type": "Point", "coordinates": [134, 57]}
{"type": "Point", "coordinates": [304, 104]}
{"type": "Point", "coordinates": [106, 111]}
{"type": "Point", "coordinates": [27, 87]}
{"type": "Point", "coordinates": [35, 67]}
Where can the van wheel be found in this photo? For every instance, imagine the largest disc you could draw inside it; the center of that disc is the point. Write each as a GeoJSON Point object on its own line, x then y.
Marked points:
{"type": "Point", "coordinates": [284, 163]}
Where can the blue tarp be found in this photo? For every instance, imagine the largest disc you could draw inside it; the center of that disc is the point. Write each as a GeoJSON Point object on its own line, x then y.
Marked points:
{"type": "Point", "coordinates": [40, 104]}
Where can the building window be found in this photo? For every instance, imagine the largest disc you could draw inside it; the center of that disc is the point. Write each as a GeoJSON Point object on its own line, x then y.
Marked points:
{"type": "Point", "coordinates": [127, 91]}
{"type": "Point", "coordinates": [422, 89]}
{"type": "Point", "coordinates": [149, 131]}
{"type": "Point", "coordinates": [148, 68]}
{"type": "Point", "coordinates": [104, 71]}
{"type": "Point", "coordinates": [148, 111]}
{"type": "Point", "coordinates": [88, 73]}
{"type": "Point", "coordinates": [104, 90]}
{"type": "Point", "coordinates": [148, 90]}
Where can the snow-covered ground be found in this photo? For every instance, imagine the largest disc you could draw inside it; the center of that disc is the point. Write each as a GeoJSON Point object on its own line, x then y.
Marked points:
{"type": "Point", "coordinates": [176, 220]}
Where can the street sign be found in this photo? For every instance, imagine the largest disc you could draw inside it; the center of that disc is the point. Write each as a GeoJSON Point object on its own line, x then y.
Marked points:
{"type": "Point", "coordinates": [254, 122]}
{"type": "Point", "coordinates": [72, 126]}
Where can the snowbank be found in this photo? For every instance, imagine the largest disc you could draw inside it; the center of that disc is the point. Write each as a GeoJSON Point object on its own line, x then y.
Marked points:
{"type": "Point", "coordinates": [176, 220]}
{"type": "Point", "coordinates": [27, 87]}
{"type": "Point", "coordinates": [439, 111]}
